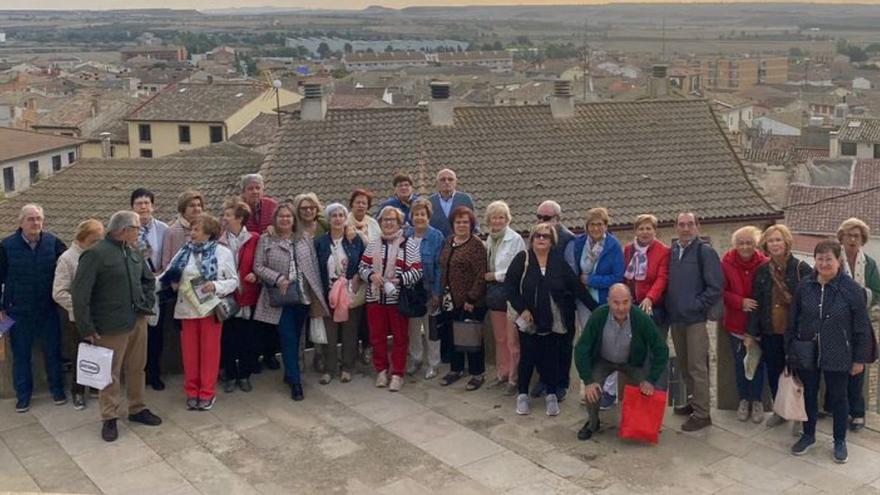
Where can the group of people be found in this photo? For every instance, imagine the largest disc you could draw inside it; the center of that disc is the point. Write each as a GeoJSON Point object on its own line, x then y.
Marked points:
{"type": "Point", "coordinates": [251, 284]}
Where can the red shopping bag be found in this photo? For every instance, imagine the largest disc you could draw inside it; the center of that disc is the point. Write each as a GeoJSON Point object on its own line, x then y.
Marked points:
{"type": "Point", "coordinates": [641, 415]}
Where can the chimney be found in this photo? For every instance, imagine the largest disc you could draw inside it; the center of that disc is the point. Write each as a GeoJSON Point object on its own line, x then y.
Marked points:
{"type": "Point", "coordinates": [440, 109]}
{"type": "Point", "coordinates": [106, 148]}
{"type": "Point", "coordinates": [314, 105]}
{"type": "Point", "coordinates": [562, 104]}
{"type": "Point", "coordinates": [658, 85]}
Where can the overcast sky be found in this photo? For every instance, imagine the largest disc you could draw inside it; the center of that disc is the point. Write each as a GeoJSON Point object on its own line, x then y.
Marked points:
{"type": "Point", "coordinates": [326, 4]}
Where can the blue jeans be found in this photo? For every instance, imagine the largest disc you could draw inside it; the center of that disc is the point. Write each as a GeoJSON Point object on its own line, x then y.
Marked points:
{"type": "Point", "coordinates": [749, 390]}
{"type": "Point", "coordinates": [45, 328]}
{"type": "Point", "coordinates": [290, 327]}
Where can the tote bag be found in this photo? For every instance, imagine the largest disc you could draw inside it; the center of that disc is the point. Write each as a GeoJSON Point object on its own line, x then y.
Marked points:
{"type": "Point", "coordinates": [789, 401]}
{"type": "Point", "coordinates": [641, 415]}
{"type": "Point", "coordinates": [94, 366]}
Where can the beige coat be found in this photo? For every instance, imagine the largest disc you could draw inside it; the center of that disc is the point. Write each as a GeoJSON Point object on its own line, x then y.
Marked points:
{"type": "Point", "coordinates": [65, 270]}
{"type": "Point", "coordinates": [272, 263]}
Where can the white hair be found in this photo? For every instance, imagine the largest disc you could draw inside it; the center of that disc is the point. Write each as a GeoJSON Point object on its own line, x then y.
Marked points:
{"type": "Point", "coordinates": [247, 179]}
{"type": "Point", "coordinates": [121, 220]}
{"type": "Point", "coordinates": [28, 207]}
{"type": "Point", "coordinates": [552, 204]}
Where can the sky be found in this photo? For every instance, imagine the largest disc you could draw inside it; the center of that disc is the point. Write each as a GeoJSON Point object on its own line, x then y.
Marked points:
{"type": "Point", "coordinates": [324, 4]}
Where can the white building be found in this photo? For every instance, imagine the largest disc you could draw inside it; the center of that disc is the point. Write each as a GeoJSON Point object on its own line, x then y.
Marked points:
{"type": "Point", "coordinates": [856, 138]}
{"type": "Point", "coordinates": [861, 83]}
{"type": "Point", "coordinates": [2, 37]}
{"type": "Point", "coordinates": [27, 156]}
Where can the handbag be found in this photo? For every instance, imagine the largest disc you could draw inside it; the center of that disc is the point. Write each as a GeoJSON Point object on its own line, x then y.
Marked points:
{"type": "Point", "coordinates": [789, 400]}
{"type": "Point", "coordinates": [413, 301]}
{"type": "Point", "coordinates": [467, 335]}
{"type": "Point", "coordinates": [496, 296]}
{"type": "Point", "coordinates": [317, 331]}
{"type": "Point", "coordinates": [357, 298]}
{"type": "Point", "coordinates": [227, 308]}
{"type": "Point", "coordinates": [802, 354]}
{"type": "Point", "coordinates": [641, 416]}
{"type": "Point", "coordinates": [292, 296]}
{"type": "Point", "coordinates": [94, 365]}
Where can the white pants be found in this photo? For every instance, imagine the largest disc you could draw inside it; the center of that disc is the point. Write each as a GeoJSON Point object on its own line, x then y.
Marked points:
{"type": "Point", "coordinates": [419, 341]}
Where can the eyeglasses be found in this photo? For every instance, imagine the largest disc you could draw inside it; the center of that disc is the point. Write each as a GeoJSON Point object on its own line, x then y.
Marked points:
{"type": "Point", "coordinates": [133, 227]}
{"type": "Point", "coordinates": [542, 235]}
{"type": "Point", "coordinates": [545, 218]}
{"type": "Point", "coordinates": [389, 219]}
{"type": "Point", "coordinates": [308, 208]}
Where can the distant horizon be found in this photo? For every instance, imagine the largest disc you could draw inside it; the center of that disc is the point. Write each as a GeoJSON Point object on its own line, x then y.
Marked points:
{"type": "Point", "coordinates": [356, 5]}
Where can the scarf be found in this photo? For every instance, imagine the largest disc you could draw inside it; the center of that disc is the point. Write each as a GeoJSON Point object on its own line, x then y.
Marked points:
{"type": "Point", "coordinates": [362, 227]}
{"type": "Point", "coordinates": [393, 243]}
{"type": "Point", "coordinates": [208, 252]}
{"type": "Point", "coordinates": [777, 273]}
{"type": "Point", "coordinates": [637, 269]}
{"type": "Point", "coordinates": [860, 263]}
{"type": "Point", "coordinates": [589, 256]}
{"type": "Point", "coordinates": [495, 239]}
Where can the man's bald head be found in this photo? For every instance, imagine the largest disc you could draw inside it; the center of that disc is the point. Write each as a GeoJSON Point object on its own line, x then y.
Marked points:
{"type": "Point", "coordinates": [620, 301]}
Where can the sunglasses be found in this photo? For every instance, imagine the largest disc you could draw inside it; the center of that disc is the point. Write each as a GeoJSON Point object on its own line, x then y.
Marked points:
{"type": "Point", "coordinates": [545, 218]}
{"type": "Point", "coordinates": [542, 235]}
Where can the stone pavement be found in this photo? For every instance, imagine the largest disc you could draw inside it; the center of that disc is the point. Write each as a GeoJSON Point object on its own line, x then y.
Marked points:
{"type": "Point", "coordinates": [354, 438]}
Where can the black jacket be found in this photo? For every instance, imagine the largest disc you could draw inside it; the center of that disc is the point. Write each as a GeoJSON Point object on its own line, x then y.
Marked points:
{"type": "Point", "coordinates": [841, 324]}
{"type": "Point", "coordinates": [353, 250]}
{"type": "Point", "coordinates": [559, 282]}
{"type": "Point", "coordinates": [762, 291]}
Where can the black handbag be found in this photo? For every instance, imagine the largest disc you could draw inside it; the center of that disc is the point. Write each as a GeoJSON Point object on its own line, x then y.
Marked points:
{"type": "Point", "coordinates": [496, 296]}
{"type": "Point", "coordinates": [413, 301]}
{"type": "Point", "coordinates": [292, 296]}
{"type": "Point", "coordinates": [803, 354]}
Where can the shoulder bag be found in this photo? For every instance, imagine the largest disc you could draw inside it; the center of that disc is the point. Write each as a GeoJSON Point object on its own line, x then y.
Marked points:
{"type": "Point", "coordinates": [293, 295]}
{"type": "Point", "coordinates": [413, 300]}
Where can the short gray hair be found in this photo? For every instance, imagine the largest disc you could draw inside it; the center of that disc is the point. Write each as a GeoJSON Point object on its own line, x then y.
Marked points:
{"type": "Point", "coordinates": [30, 206]}
{"type": "Point", "coordinates": [552, 204]}
{"type": "Point", "coordinates": [247, 179]}
{"type": "Point", "coordinates": [121, 220]}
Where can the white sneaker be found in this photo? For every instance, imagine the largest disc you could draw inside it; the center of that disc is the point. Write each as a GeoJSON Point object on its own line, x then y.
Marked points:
{"type": "Point", "coordinates": [382, 379]}
{"type": "Point", "coordinates": [522, 404]}
{"type": "Point", "coordinates": [743, 411]}
{"type": "Point", "coordinates": [396, 383]}
{"type": "Point", "coordinates": [757, 412]}
{"type": "Point", "coordinates": [552, 405]}
{"type": "Point", "coordinates": [430, 373]}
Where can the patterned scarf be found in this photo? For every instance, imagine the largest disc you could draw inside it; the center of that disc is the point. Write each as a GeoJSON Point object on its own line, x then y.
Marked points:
{"type": "Point", "coordinates": [591, 253]}
{"type": "Point", "coordinates": [495, 239]}
{"type": "Point", "coordinates": [637, 269]}
{"type": "Point", "coordinates": [208, 252]}
{"type": "Point", "coordinates": [860, 263]}
{"type": "Point", "coordinates": [393, 243]}
{"type": "Point", "coordinates": [777, 273]}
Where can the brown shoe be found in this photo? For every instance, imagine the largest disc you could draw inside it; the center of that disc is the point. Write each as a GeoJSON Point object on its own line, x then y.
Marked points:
{"type": "Point", "coordinates": [694, 423]}
{"type": "Point", "coordinates": [685, 410]}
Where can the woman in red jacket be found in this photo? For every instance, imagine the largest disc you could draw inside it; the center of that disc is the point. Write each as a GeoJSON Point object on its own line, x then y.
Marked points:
{"type": "Point", "coordinates": [647, 270]}
{"type": "Point", "coordinates": [239, 345]}
{"type": "Point", "coordinates": [740, 265]}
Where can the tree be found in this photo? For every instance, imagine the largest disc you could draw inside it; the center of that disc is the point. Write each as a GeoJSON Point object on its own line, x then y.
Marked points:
{"type": "Point", "coordinates": [324, 50]}
{"type": "Point", "coordinates": [347, 48]}
{"type": "Point", "coordinates": [523, 40]}
{"type": "Point", "coordinates": [389, 49]}
{"type": "Point", "coordinates": [795, 52]}
{"type": "Point", "coordinates": [497, 46]}
{"type": "Point", "coordinates": [873, 48]}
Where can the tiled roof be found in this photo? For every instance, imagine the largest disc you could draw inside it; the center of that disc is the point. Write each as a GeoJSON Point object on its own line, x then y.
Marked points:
{"type": "Point", "coordinates": [474, 56]}
{"type": "Point", "coordinates": [810, 210]}
{"type": "Point", "coordinates": [260, 131]}
{"type": "Point", "coordinates": [198, 102]}
{"type": "Point", "coordinates": [15, 143]}
{"type": "Point", "coordinates": [859, 130]}
{"type": "Point", "coordinates": [110, 119]}
{"type": "Point", "coordinates": [360, 57]}
{"type": "Point", "coordinates": [98, 188]}
{"type": "Point", "coordinates": [651, 156]}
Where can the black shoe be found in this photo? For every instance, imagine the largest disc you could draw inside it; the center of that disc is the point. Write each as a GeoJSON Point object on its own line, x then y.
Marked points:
{"type": "Point", "coordinates": [296, 392]}
{"type": "Point", "coordinates": [538, 390]}
{"type": "Point", "coordinates": [857, 424]}
{"type": "Point", "coordinates": [79, 401]}
{"type": "Point", "coordinates": [229, 386]}
{"type": "Point", "coordinates": [109, 432]}
{"type": "Point", "coordinates": [585, 432]}
{"type": "Point", "coordinates": [475, 382]}
{"type": "Point", "coordinates": [561, 393]}
{"type": "Point", "coordinates": [22, 405]}
{"type": "Point", "coordinates": [245, 385]}
{"type": "Point", "coordinates": [59, 398]}
{"type": "Point", "coordinates": [840, 455]}
{"type": "Point", "coordinates": [258, 368]}
{"type": "Point", "coordinates": [803, 445]}
{"type": "Point", "coordinates": [450, 378]}
{"type": "Point", "coordinates": [207, 404]}
{"type": "Point", "coordinates": [156, 383]}
{"type": "Point", "coordinates": [145, 417]}
{"type": "Point", "coordinates": [685, 410]}
{"type": "Point", "coordinates": [272, 363]}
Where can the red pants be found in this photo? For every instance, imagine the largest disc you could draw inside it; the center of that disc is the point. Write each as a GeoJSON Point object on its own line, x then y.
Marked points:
{"type": "Point", "coordinates": [381, 319]}
{"type": "Point", "coordinates": [200, 347]}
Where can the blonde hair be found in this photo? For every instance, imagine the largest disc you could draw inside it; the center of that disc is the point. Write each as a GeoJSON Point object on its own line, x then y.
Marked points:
{"type": "Point", "coordinates": [188, 196]}
{"type": "Point", "coordinates": [397, 213]}
{"type": "Point", "coordinates": [497, 208]}
{"type": "Point", "coordinates": [599, 213]}
{"type": "Point", "coordinates": [424, 204]}
{"type": "Point", "coordinates": [851, 223]}
{"type": "Point", "coordinates": [645, 218]}
{"type": "Point", "coordinates": [748, 230]}
{"type": "Point", "coordinates": [309, 196]}
{"type": "Point", "coordinates": [783, 231]}
{"type": "Point", "coordinates": [87, 228]}
{"type": "Point", "coordinates": [554, 236]}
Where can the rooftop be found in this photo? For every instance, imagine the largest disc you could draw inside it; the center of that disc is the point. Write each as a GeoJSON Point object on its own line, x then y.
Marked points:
{"type": "Point", "coordinates": [860, 130]}
{"type": "Point", "coordinates": [17, 143]}
{"type": "Point", "coordinates": [360, 57]}
{"type": "Point", "coordinates": [198, 102]}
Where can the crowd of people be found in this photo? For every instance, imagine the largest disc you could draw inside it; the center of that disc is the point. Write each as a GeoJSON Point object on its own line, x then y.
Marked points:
{"type": "Point", "coordinates": [269, 277]}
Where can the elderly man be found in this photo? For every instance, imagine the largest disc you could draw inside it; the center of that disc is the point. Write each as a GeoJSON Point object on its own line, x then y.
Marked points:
{"type": "Point", "coordinates": [262, 206]}
{"type": "Point", "coordinates": [550, 212]}
{"type": "Point", "coordinates": [447, 199]}
{"type": "Point", "coordinates": [618, 337]}
{"type": "Point", "coordinates": [28, 259]}
{"type": "Point", "coordinates": [694, 288]}
{"type": "Point", "coordinates": [403, 196]}
{"type": "Point", "coordinates": [113, 292]}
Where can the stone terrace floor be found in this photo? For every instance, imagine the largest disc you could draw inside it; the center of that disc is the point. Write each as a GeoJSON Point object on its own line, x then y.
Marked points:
{"type": "Point", "coordinates": [354, 438]}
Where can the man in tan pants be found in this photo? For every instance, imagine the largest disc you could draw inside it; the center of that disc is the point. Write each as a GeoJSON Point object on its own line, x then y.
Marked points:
{"type": "Point", "coordinates": [113, 291]}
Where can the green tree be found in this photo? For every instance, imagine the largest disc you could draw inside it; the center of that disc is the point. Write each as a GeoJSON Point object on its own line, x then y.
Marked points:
{"type": "Point", "coordinates": [324, 50]}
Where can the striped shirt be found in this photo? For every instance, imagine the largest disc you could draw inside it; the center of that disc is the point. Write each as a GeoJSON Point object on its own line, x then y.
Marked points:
{"type": "Point", "coordinates": [408, 268]}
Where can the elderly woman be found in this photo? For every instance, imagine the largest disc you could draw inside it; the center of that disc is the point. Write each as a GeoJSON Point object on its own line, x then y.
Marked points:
{"type": "Point", "coordinates": [87, 234]}
{"type": "Point", "coordinates": [421, 347]}
{"type": "Point", "coordinates": [366, 226]}
{"type": "Point", "coordinates": [740, 265]}
{"type": "Point", "coordinates": [190, 204]}
{"type": "Point", "coordinates": [646, 259]}
{"type": "Point", "coordinates": [285, 264]}
{"type": "Point", "coordinates": [339, 257]}
{"type": "Point", "coordinates": [502, 244]}
{"type": "Point", "coordinates": [828, 337]}
{"type": "Point", "coordinates": [463, 278]}
{"type": "Point", "coordinates": [773, 290]}
{"type": "Point", "coordinates": [543, 290]}
{"type": "Point", "coordinates": [854, 234]}
{"type": "Point", "coordinates": [240, 343]}
{"type": "Point", "coordinates": [597, 259]}
{"type": "Point", "coordinates": [202, 271]}
{"type": "Point", "coordinates": [389, 264]}
{"type": "Point", "coordinates": [308, 218]}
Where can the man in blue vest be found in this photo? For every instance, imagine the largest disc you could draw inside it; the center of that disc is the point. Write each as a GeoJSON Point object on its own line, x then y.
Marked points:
{"type": "Point", "coordinates": [403, 196]}
{"type": "Point", "coordinates": [27, 271]}
{"type": "Point", "coordinates": [447, 199]}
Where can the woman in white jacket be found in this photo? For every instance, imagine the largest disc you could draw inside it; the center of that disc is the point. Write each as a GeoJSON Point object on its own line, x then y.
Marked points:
{"type": "Point", "coordinates": [204, 272]}
{"type": "Point", "coordinates": [502, 245]}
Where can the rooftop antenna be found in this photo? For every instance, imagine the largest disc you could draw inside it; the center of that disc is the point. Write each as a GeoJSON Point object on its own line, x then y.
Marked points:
{"type": "Point", "coordinates": [663, 39]}
{"type": "Point", "coordinates": [588, 56]}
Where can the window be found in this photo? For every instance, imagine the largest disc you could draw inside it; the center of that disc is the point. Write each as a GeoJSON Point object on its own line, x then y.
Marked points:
{"type": "Point", "coordinates": [183, 134]}
{"type": "Point", "coordinates": [8, 179]}
{"type": "Point", "coordinates": [848, 149]}
{"type": "Point", "coordinates": [877, 151]}
{"type": "Point", "coordinates": [145, 153]}
{"type": "Point", "coordinates": [34, 169]}
{"type": "Point", "coordinates": [56, 163]}
{"type": "Point", "coordinates": [71, 157]}
{"type": "Point", "coordinates": [216, 134]}
{"type": "Point", "coordinates": [112, 151]}
{"type": "Point", "coordinates": [144, 133]}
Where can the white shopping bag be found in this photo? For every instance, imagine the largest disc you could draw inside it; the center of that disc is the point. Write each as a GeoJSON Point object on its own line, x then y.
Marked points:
{"type": "Point", "coordinates": [94, 366]}
{"type": "Point", "coordinates": [317, 331]}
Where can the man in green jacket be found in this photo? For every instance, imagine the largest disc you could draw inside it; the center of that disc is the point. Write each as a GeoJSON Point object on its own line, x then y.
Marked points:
{"type": "Point", "coordinates": [618, 337]}
{"type": "Point", "coordinates": [113, 292]}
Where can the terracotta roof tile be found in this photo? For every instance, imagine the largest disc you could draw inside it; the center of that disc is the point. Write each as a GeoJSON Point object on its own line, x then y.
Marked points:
{"type": "Point", "coordinates": [860, 130]}
{"type": "Point", "coordinates": [15, 143]}
{"type": "Point", "coordinates": [198, 102]}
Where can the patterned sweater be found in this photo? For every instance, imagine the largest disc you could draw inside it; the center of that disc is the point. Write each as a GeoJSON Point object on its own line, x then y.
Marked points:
{"type": "Point", "coordinates": [408, 269]}
{"type": "Point", "coordinates": [463, 269]}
